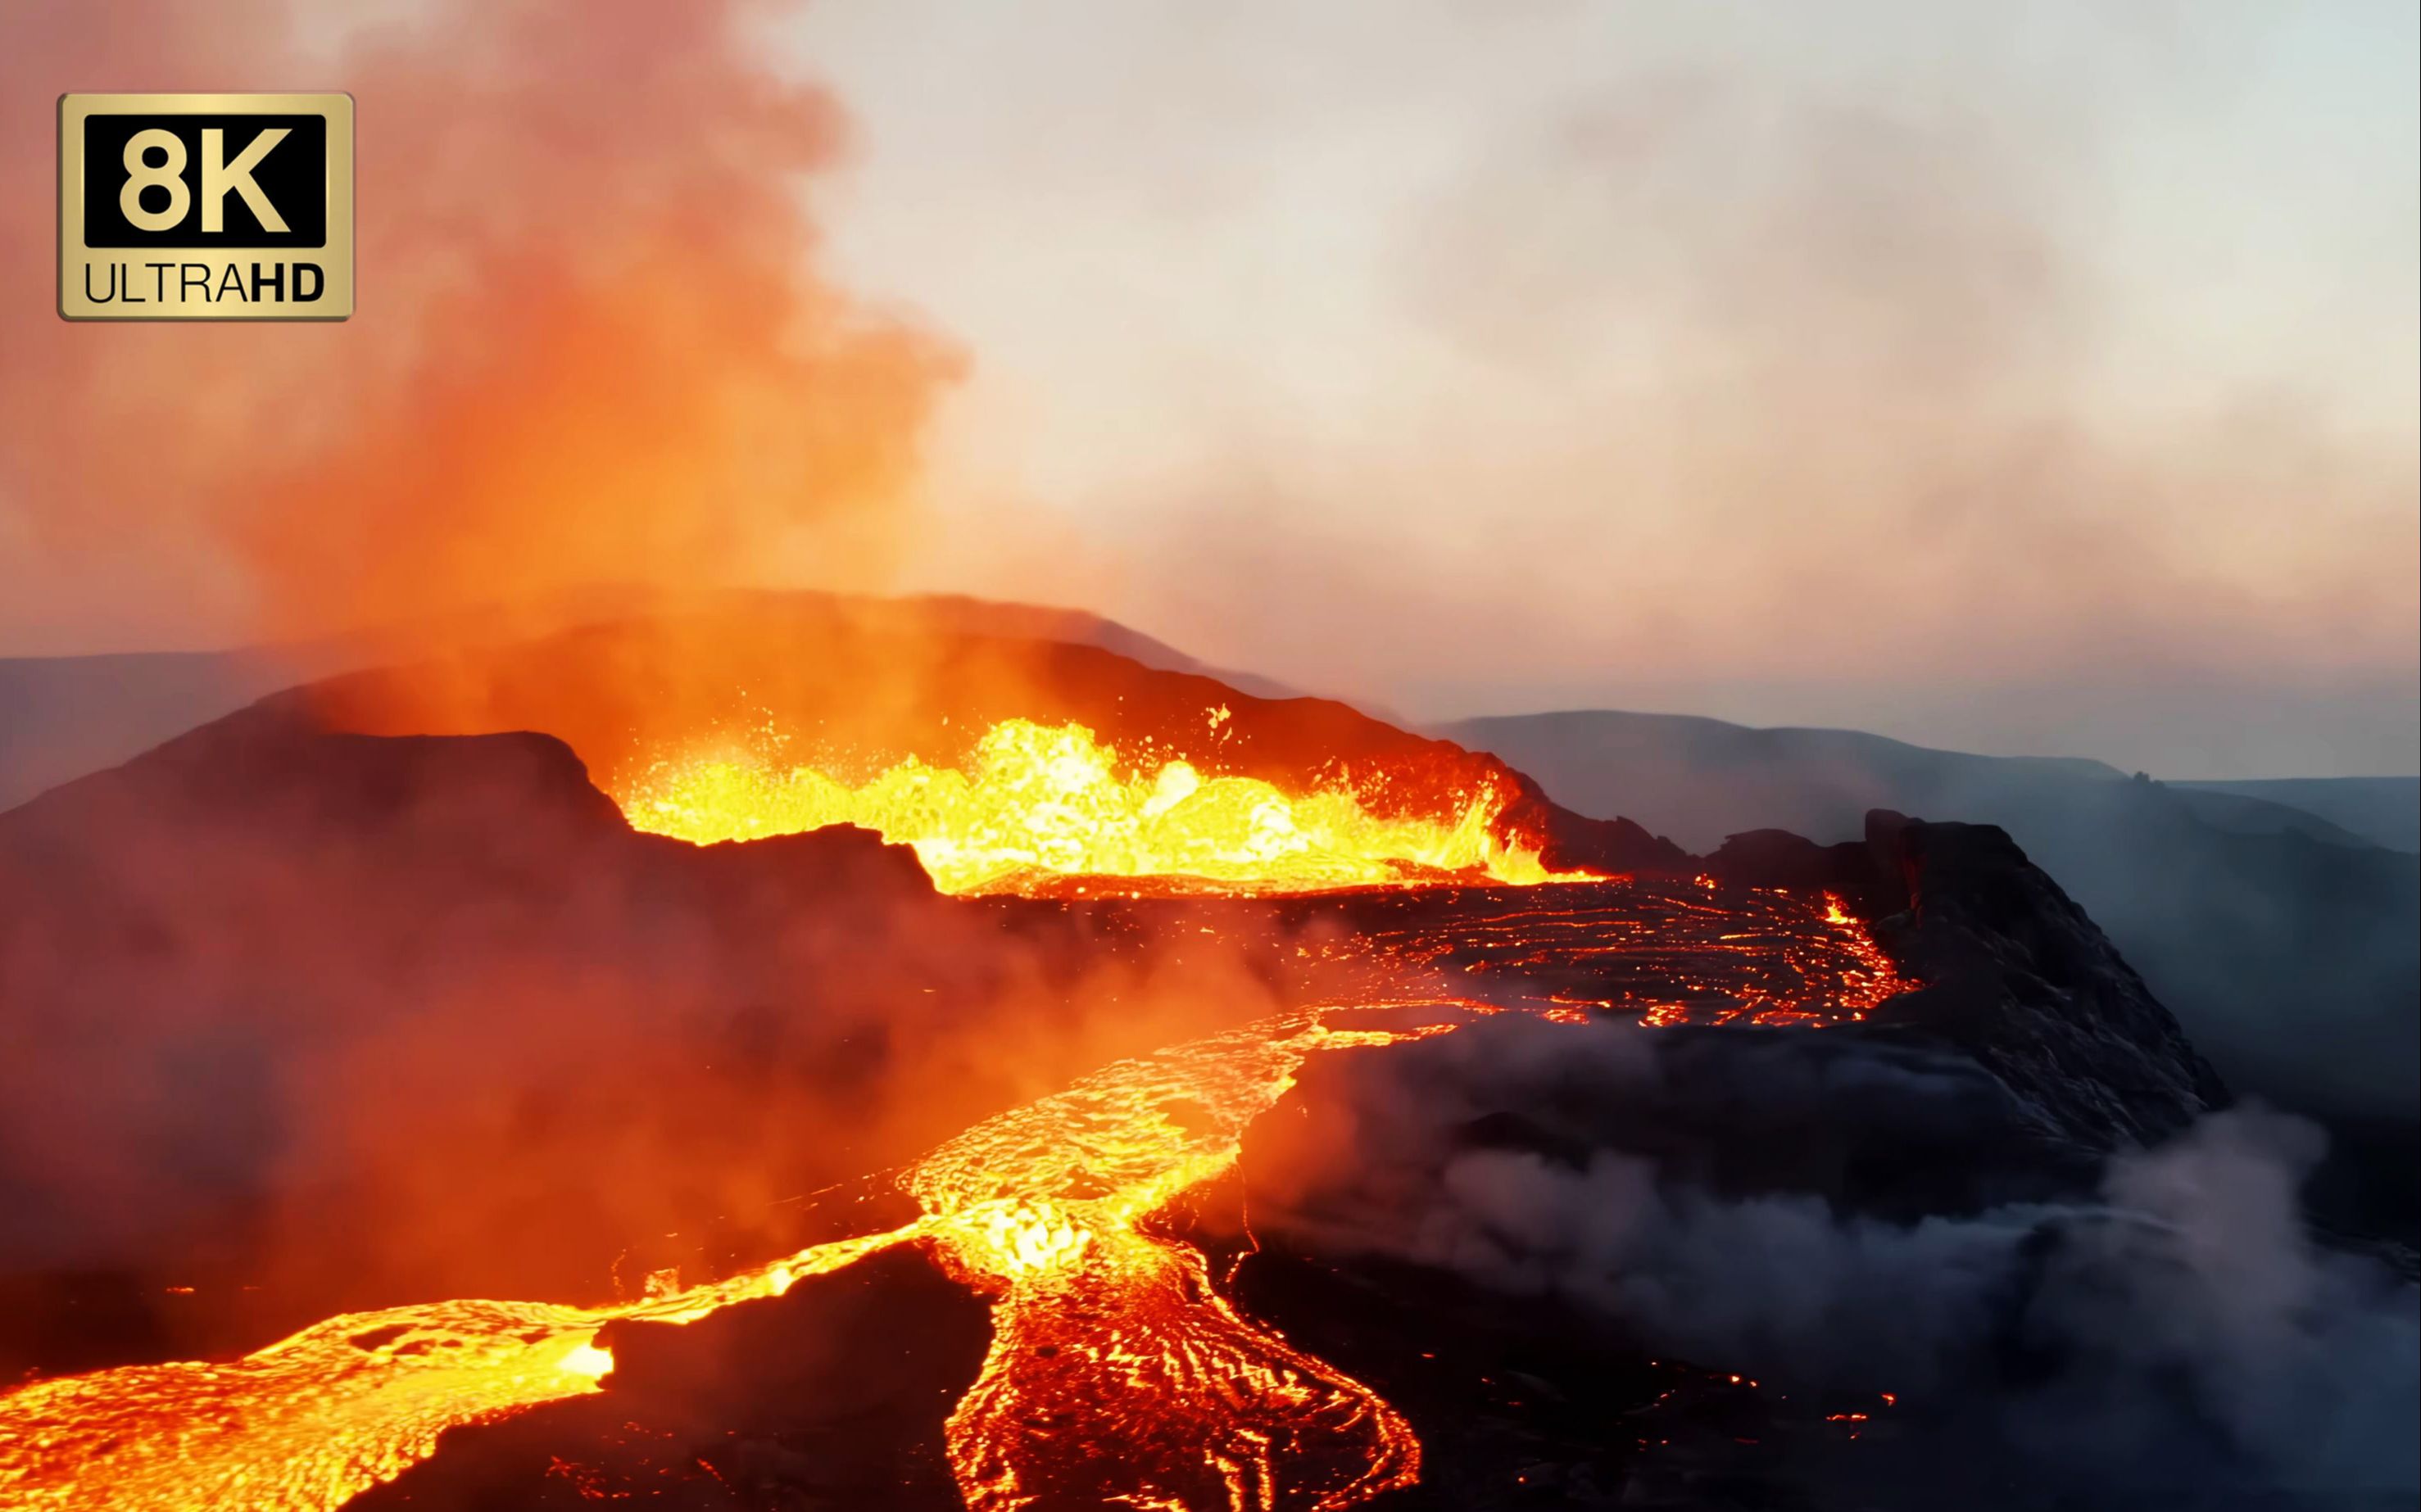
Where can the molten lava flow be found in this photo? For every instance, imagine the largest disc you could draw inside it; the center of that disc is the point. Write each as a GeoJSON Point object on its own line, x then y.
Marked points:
{"type": "Point", "coordinates": [313, 1420]}
{"type": "Point", "coordinates": [1158, 1391]}
{"type": "Point", "coordinates": [1116, 1370]}
{"type": "Point", "coordinates": [1667, 952]}
{"type": "Point", "coordinates": [1040, 802]}
{"type": "Point", "coordinates": [1118, 1374]}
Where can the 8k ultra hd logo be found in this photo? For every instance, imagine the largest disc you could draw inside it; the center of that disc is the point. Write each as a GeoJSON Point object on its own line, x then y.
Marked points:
{"type": "Point", "coordinates": [206, 207]}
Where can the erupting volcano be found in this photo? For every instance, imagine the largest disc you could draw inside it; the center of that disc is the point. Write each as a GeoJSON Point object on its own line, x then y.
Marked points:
{"type": "Point", "coordinates": [609, 893]}
{"type": "Point", "coordinates": [1122, 1369]}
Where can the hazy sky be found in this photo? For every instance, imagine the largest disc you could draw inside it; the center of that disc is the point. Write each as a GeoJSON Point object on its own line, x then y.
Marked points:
{"type": "Point", "coordinates": [2029, 379]}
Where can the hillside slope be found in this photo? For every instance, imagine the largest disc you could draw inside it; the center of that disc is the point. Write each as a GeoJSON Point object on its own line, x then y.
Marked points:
{"type": "Point", "coordinates": [2385, 811]}
{"type": "Point", "coordinates": [64, 716]}
{"type": "Point", "coordinates": [2285, 944]}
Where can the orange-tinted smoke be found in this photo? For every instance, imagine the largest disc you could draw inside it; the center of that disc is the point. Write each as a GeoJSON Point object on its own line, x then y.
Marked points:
{"type": "Point", "coordinates": [591, 346]}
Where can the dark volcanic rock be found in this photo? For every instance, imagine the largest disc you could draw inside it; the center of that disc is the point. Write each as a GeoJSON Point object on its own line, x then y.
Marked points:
{"type": "Point", "coordinates": [1872, 1121]}
{"type": "Point", "coordinates": [2285, 944]}
{"type": "Point", "coordinates": [1777, 858]}
{"type": "Point", "coordinates": [2020, 979]}
{"type": "Point", "coordinates": [828, 1398]}
{"type": "Point", "coordinates": [1533, 1404]}
{"type": "Point", "coordinates": [1575, 841]}
{"type": "Point", "coordinates": [2014, 972]}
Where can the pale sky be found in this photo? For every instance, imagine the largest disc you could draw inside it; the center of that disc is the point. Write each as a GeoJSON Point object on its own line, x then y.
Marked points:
{"type": "Point", "coordinates": [2030, 379]}
{"type": "Point", "coordinates": [2026, 379]}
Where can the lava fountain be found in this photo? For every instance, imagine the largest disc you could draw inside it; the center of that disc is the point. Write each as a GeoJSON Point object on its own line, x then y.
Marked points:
{"type": "Point", "coordinates": [1034, 802]}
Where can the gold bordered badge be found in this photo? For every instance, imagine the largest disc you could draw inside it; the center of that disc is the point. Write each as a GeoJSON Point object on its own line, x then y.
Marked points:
{"type": "Point", "coordinates": [206, 207]}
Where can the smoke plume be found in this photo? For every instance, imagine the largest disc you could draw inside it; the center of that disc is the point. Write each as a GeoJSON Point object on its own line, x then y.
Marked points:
{"type": "Point", "coordinates": [2169, 1325]}
{"type": "Point", "coordinates": [591, 344]}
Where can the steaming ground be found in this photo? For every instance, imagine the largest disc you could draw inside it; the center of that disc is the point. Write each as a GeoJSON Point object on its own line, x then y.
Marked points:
{"type": "Point", "coordinates": [376, 1018]}
{"type": "Point", "coordinates": [2158, 1323]}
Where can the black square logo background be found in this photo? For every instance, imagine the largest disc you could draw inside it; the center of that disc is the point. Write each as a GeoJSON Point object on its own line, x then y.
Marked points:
{"type": "Point", "coordinates": [293, 176]}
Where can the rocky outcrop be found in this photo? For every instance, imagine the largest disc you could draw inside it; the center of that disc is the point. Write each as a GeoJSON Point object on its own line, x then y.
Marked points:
{"type": "Point", "coordinates": [829, 1398]}
{"type": "Point", "coordinates": [2015, 976]}
{"type": "Point", "coordinates": [1575, 842]}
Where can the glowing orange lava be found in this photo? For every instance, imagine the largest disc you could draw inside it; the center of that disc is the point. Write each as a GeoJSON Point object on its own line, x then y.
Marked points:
{"type": "Point", "coordinates": [1159, 1392]}
{"type": "Point", "coordinates": [1040, 802]}
{"type": "Point", "coordinates": [1119, 1373]}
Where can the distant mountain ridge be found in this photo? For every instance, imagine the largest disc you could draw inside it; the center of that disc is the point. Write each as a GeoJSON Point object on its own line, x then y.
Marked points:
{"type": "Point", "coordinates": [2285, 943]}
{"type": "Point", "coordinates": [64, 716]}
{"type": "Point", "coordinates": [2383, 810]}
{"type": "Point", "coordinates": [1697, 779]}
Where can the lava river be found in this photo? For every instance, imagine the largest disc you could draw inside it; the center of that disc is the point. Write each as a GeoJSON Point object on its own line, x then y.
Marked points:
{"type": "Point", "coordinates": [1157, 1389]}
{"type": "Point", "coordinates": [1118, 1370]}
